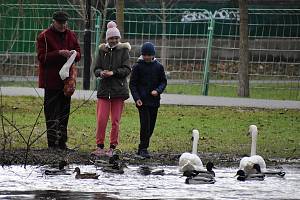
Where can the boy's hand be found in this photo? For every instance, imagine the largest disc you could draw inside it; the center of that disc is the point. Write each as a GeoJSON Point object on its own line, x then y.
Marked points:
{"type": "Point", "coordinates": [139, 103]}
{"type": "Point", "coordinates": [154, 93]}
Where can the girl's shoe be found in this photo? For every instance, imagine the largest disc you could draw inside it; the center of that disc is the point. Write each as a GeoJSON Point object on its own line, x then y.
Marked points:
{"type": "Point", "coordinates": [98, 152]}
{"type": "Point", "coordinates": [109, 152]}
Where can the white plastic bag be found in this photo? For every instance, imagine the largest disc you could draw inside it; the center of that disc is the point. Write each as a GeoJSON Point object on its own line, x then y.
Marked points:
{"type": "Point", "coordinates": [65, 70]}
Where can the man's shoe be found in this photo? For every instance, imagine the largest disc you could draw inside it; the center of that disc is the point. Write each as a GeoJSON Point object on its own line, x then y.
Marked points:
{"type": "Point", "coordinates": [52, 148]}
{"type": "Point", "coordinates": [144, 153]}
{"type": "Point", "coordinates": [64, 147]}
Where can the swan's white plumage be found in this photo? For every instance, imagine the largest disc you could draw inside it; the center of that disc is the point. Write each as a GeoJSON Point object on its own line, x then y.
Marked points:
{"type": "Point", "coordinates": [191, 161]}
{"type": "Point", "coordinates": [247, 163]}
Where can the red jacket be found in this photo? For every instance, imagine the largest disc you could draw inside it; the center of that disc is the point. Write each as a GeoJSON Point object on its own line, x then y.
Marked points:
{"type": "Point", "coordinates": [49, 42]}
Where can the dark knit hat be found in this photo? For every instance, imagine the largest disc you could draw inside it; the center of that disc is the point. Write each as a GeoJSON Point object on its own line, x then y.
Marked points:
{"type": "Point", "coordinates": [60, 16]}
{"type": "Point", "coordinates": [148, 49]}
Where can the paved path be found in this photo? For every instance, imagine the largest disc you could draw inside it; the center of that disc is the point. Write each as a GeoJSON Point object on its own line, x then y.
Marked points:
{"type": "Point", "coordinates": [171, 99]}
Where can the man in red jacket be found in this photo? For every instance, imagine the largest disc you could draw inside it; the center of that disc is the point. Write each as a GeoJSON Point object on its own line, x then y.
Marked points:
{"type": "Point", "coordinates": [53, 50]}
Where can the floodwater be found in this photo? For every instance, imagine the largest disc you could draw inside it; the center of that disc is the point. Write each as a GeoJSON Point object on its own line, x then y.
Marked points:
{"type": "Point", "coordinates": [30, 183]}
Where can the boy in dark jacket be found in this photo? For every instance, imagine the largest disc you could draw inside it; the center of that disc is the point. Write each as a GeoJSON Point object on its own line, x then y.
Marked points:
{"type": "Point", "coordinates": [147, 82]}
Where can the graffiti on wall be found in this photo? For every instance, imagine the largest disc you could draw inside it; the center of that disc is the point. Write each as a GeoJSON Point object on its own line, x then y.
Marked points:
{"type": "Point", "coordinates": [206, 15]}
{"type": "Point", "coordinates": [196, 16]}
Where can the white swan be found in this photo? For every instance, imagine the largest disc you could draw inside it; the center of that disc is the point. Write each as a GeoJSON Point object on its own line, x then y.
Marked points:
{"type": "Point", "coordinates": [191, 161]}
{"type": "Point", "coordinates": [247, 163]}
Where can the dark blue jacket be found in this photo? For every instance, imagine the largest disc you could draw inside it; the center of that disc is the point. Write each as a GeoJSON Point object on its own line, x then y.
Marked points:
{"type": "Point", "coordinates": [146, 77]}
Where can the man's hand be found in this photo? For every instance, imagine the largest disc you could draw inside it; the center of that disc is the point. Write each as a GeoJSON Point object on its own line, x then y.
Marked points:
{"type": "Point", "coordinates": [65, 53]}
{"type": "Point", "coordinates": [154, 93]}
{"type": "Point", "coordinates": [139, 103]}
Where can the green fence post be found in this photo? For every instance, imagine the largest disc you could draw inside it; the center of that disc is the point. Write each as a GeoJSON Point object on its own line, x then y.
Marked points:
{"type": "Point", "coordinates": [207, 58]}
{"type": "Point", "coordinates": [97, 43]}
{"type": "Point", "coordinates": [97, 31]}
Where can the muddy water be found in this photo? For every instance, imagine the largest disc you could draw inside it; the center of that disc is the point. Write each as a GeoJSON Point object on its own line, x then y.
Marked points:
{"type": "Point", "coordinates": [30, 183]}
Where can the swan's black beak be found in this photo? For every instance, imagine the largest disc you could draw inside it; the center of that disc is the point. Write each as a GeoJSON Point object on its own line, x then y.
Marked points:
{"type": "Point", "coordinates": [192, 138]}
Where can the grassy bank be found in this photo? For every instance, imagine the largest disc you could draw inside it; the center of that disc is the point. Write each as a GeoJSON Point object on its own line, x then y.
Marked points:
{"type": "Point", "coordinates": [223, 130]}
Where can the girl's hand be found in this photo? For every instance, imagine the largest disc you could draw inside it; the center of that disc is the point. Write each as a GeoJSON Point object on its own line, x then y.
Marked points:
{"type": "Point", "coordinates": [106, 73]}
{"type": "Point", "coordinates": [109, 73]}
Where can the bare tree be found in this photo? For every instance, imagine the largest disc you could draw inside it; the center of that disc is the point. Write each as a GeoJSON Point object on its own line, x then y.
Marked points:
{"type": "Point", "coordinates": [104, 13]}
{"type": "Point", "coordinates": [243, 87]}
{"type": "Point", "coordinates": [120, 4]}
{"type": "Point", "coordinates": [164, 5]}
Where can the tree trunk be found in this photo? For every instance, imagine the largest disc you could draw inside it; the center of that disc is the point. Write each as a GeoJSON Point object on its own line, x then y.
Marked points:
{"type": "Point", "coordinates": [120, 15]}
{"type": "Point", "coordinates": [103, 28]}
{"type": "Point", "coordinates": [243, 87]}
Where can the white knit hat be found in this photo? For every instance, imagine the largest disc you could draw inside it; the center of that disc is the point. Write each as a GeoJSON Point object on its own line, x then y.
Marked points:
{"type": "Point", "coordinates": [112, 30]}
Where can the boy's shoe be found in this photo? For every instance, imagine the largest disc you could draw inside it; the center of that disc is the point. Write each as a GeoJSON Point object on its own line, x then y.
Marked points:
{"type": "Point", "coordinates": [144, 153]}
{"type": "Point", "coordinates": [98, 152]}
{"type": "Point", "coordinates": [109, 152]}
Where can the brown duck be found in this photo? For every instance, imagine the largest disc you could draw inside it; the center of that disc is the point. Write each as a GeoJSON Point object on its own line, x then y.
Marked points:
{"type": "Point", "coordinates": [85, 175]}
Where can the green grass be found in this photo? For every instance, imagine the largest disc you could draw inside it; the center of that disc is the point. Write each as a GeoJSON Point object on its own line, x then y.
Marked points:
{"type": "Point", "coordinates": [223, 130]}
{"type": "Point", "coordinates": [278, 91]}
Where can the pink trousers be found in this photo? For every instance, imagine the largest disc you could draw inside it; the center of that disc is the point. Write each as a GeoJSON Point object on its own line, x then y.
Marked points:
{"type": "Point", "coordinates": [106, 107]}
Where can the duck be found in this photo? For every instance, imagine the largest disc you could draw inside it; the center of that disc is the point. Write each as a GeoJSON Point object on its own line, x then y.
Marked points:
{"type": "Point", "coordinates": [246, 163]}
{"type": "Point", "coordinates": [209, 167]}
{"type": "Point", "coordinates": [85, 175]}
{"type": "Point", "coordinates": [191, 161]}
{"type": "Point", "coordinates": [146, 170]}
{"type": "Point", "coordinates": [208, 172]}
{"type": "Point", "coordinates": [117, 168]}
{"type": "Point", "coordinates": [201, 177]}
{"type": "Point", "coordinates": [200, 180]}
{"type": "Point", "coordinates": [107, 163]}
{"type": "Point", "coordinates": [279, 174]}
{"type": "Point", "coordinates": [255, 175]}
{"type": "Point", "coordinates": [59, 171]}
{"type": "Point", "coordinates": [114, 165]}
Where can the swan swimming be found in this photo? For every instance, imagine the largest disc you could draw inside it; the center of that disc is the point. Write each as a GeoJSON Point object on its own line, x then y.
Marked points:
{"type": "Point", "coordinates": [246, 164]}
{"type": "Point", "coordinates": [191, 161]}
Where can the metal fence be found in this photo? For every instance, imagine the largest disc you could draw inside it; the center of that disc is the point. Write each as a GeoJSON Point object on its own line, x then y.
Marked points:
{"type": "Point", "coordinates": [196, 46]}
{"type": "Point", "coordinates": [274, 48]}
{"type": "Point", "coordinates": [20, 26]}
{"type": "Point", "coordinates": [199, 48]}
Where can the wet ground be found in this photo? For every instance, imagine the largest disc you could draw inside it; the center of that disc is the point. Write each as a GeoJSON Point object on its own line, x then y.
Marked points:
{"type": "Point", "coordinates": [30, 183]}
{"type": "Point", "coordinates": [46, 156]}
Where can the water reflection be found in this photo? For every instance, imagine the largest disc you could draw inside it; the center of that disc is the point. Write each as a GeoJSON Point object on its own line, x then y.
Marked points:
{"type": "Point", "coordinates": [19, 183]}
{"type": "Point", "coordinates": [53, 194]}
